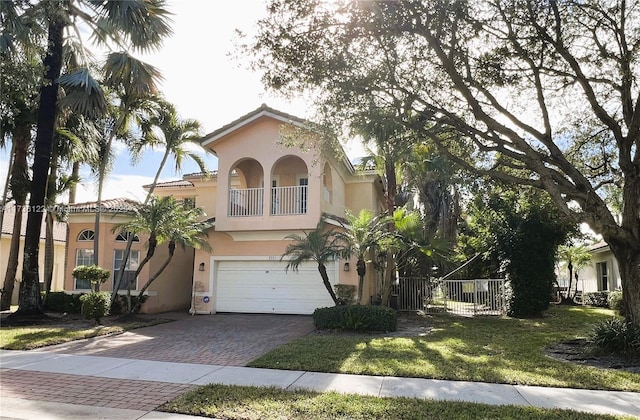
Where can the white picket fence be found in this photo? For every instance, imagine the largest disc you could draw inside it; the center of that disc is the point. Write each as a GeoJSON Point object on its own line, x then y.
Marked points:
{"type": "Point", "coordinates": [461, 297]}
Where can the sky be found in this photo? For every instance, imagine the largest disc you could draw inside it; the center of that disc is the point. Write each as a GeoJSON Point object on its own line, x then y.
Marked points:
{"type": "Point", "coordinates": [203, 81]}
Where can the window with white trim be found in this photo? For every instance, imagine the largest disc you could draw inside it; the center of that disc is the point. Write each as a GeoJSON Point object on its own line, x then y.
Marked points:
{"type": "Point", "coordinates": [603, 276]}
{"type": "Point", "coordinates": [124, 237]}
{"type": "Point", "coordinates": [130, 269]}
{"type": "Point", "coordinates": [86, 235]}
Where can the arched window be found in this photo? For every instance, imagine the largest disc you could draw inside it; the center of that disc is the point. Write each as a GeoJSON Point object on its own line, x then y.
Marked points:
{"type": "Point", "coordinates": [124, 237]}
{"type": "Point", "coordinates": [86, 235]}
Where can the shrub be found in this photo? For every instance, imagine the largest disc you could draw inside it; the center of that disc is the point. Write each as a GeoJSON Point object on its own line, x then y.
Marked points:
{"type": "Point", "coordinates": [598, 299]}
{"type": "Point", "coordinates": [616, 303]}
{"type": "Point", "coordinates": [119, 304]}
{"type": "Point", "coordinates": [95, 305]}
{"type": "Point", "coordinates": [94, 274]}
{"type": "Point", "coordinates": [62, 302]}
{"type": "Point", "coordinates": [346, 293]}
{"type": "Point", "coordinates": [616, 336]}
{"type": "Point", "coordinates": [356, 318]}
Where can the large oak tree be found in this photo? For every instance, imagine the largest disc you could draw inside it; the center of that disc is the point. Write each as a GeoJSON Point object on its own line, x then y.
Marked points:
{"type": "Point", "coordinates": [537, 93]}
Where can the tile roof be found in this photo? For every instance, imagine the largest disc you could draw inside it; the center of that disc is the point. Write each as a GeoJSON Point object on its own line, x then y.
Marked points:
{"type": "Point", "coordinates": [114, 205]}
{"type": "Point", "coordinates": [59, 228]}
{"type": "Point", "coordinates": [171, 184]}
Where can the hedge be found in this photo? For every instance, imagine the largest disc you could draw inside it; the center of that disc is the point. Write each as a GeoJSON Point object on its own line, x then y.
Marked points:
{"type": "Point", "coordinates": [356, 318]}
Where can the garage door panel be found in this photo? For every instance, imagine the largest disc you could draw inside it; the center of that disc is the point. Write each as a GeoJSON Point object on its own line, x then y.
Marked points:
{"type": "Point", "coordinates": [265, 287]}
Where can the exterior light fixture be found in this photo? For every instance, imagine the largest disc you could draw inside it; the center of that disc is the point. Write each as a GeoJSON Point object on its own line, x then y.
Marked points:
{"type": "Point", "coordinates": [201, 267]}
{"type": "Point", "coordinates": [346, 266]}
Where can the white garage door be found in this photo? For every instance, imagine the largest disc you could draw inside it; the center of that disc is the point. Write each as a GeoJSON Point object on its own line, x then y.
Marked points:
{"type": "Point", "coordinates": [264, 287]}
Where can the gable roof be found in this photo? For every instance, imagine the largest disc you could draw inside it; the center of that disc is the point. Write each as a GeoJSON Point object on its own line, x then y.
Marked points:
{"type": "Point", "coordinates": [59, 228]}
{"type": "Point", "coordinates": [262, 111]}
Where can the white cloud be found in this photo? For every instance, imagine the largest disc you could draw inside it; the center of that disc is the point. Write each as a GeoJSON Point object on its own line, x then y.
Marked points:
{"type": "Point", "coordinates": [116, 186]}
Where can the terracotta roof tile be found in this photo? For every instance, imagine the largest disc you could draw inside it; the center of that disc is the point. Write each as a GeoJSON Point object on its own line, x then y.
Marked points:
{"type": "Point", "coordinates": [59, 228]}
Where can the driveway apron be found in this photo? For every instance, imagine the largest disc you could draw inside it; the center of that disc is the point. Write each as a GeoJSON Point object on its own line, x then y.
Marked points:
{"type": "Point", "coordinates": [221, 339]}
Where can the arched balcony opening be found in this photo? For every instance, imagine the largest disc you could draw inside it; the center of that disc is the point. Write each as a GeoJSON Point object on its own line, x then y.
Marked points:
{"type": "Point", "coordinates": [246, 189]}
{"type": "Point", "coordinates": [289, 187]}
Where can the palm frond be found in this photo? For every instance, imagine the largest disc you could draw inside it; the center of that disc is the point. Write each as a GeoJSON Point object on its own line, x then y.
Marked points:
{"type": "Point", "coordinates": [83, 94]}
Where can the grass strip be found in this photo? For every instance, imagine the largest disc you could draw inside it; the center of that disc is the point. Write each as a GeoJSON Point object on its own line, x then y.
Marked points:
{"type": "Point", "coordinates": [249, 403]}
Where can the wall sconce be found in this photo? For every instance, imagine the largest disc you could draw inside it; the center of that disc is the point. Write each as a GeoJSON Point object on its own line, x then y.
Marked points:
{"type": "Point", "coordinates": [201, 267]}
{"type": "Point", "coordinates": [346, 266]}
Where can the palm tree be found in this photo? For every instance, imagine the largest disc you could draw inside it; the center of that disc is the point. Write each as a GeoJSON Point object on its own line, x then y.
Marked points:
{"type": "Point", "coordinates": [392, 143]}
{"type": "Point", "coordinates": [363, 235]}
{"type": "Point", "coordinates": [178, 137]}
{"type": "Point", "coordinates": [140, 24]}
{"type": "Point", "coordinates": [575, 258]}
{"type": "Point", "coordinates": [320, 245]}
{"type": "Point", "coordinates": [165, 219]}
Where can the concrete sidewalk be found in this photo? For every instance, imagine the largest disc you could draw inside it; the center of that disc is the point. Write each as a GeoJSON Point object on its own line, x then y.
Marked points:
{"type": "Point", "coordinates": [185, 376]}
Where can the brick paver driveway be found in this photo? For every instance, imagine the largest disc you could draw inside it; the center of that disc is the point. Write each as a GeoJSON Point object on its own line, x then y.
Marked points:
{"type": "Point", "coordinates": [221, 339]}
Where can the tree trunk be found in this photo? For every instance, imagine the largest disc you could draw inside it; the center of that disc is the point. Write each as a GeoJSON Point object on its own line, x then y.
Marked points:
{"type": "Point", "coordinates": [19, 190]}
{"type": "Point", "coordinates": [48, 241]}
{"type": "Point", "coordinates": [48, 252]}
{"type": "Point", "coordinates": [172, 251]}
{"type": "Point", "coordinates": [5, 190]}
{"type": "Point", "coordinates": [30, 302]}
{"type": "Point", "coordinates": [75, 174]}
{"type": "Point", "coordinates": [325, 280]}
{"type": "Point", "coordinates": [118, 276]}
{"type": "Point", "coordinates": [12, 264]}
{"type": "Point", "coordinates": [570, 267]}
{"type": "Point", "coordinates": [392, 189]}
{"type": "Point", "coordinates": [628, 258]}
{"type": "Point", "coordinates": [361, 268]}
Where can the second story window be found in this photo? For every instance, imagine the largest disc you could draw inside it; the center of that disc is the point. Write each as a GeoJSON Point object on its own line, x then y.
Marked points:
{"type": "Point", "coordinates": [124, 237]}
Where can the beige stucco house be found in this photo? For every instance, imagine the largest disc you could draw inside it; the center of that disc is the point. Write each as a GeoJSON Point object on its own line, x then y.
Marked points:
{"type": "Point", "coordinates": [262, 192]}
{"type": "Point", "coordinates": [170, 292]}
{"type": "Point", "coordinates": [59, 237]}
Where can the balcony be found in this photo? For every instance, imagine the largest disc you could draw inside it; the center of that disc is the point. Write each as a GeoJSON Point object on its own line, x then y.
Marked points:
{"type": "Point", "coordinates": [285, 201]}
{"type": "Point", "coordinates": [245, 202]}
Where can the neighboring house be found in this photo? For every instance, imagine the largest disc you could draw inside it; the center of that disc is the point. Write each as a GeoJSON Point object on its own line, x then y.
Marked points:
{"type": "Point", "coordinates": [171, 291]}
{"type": "Point", "coordinates": [602, 273]}
{"type": "Point", "coordinates": [59, 237]}
{"type": "Point", "coordinates": [262, 192]}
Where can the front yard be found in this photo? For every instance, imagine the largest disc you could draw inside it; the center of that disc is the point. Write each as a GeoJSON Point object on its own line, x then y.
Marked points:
{"type": "Point", "coordinates": [498, 350]}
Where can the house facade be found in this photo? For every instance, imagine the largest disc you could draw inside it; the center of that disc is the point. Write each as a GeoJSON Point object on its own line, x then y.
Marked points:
{"type": "Point", "coordinates": [602, 274]}
{"type": "Point", "coordinates": [262, 192]}
{"type": "Point", "coordinates": [59, 238]}
{"type": "Point", "coordinates": [169, 292]}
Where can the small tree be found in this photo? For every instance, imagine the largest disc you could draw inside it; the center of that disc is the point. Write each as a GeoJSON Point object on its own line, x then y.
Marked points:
{"type": "Point", "coordinates": [320, 245]}
{"type": "Point", "coordinates": [93, 274]}
{"type": "Point", "coordinates": [362, 235]}
{"type": "Point", "coordinates": [575, 258]}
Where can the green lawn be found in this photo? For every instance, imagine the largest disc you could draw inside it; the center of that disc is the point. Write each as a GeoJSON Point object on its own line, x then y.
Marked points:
{"type": "Point", "coordinates": [498, 350]}
{"type": "Point", "coordinates": [249, 403]}
{"type": "Point", "coordinates": [31, 337]}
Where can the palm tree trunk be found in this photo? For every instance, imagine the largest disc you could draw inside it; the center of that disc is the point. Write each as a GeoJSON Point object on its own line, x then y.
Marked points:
{"type": "Point", "coordinates": [153, 242]}
{"type": "Point", "coordinates": [75, 174]}
{"type": "Point", "coordinates": [392, 188]}
{"type": "Point", "coordinates": [172, 250]}
{"type": "Point", "coordinates": [120, 273]}
{"type": "Point", "coordinates": [325, 279]}
{"type": "Point", "coordinates": [48, 242]}
{"type": "Point", "coordinates": [361, 269]}
{"type": "Point", "coordinates": [5, 190]}
{"type": "Point", "coordinates": [12, 264]}
{"type": "Point", "coordinates": [48, 252]}
{"type": "Point", "coordinates": [30, 301]}
{"type": "Point", "coordinates": [19, 189]}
